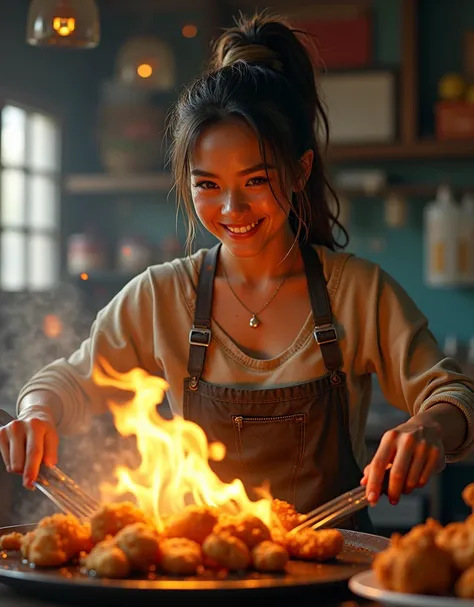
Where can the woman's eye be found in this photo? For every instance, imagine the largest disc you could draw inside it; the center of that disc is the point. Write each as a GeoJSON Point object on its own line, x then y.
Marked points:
{"type": "Point", "coordinates": [205, 185]}
{"type": "Point", "coordinates": [257, 181]}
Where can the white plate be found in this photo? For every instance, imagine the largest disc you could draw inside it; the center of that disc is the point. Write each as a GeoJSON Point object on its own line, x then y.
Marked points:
{"type": "Point", "coordinates": [365, 585]}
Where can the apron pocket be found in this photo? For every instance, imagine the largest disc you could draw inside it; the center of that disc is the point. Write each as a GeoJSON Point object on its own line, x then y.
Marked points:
{"type": "Point", "coordinates": [271, 450]}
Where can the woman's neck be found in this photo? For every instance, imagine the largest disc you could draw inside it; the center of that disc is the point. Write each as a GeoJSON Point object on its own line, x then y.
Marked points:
{"type": "Point", "coordinates": [279, 259]}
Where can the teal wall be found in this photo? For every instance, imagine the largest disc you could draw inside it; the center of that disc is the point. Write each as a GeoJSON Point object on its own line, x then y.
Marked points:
{"type": "Point", "coordinates": [450, 311]}
{"type": "Point", "coordinates": [441, 23]}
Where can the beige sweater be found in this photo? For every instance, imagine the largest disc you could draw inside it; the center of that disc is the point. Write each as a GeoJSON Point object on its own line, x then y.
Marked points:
{"type": "Point", "coordinates": [381, 331]}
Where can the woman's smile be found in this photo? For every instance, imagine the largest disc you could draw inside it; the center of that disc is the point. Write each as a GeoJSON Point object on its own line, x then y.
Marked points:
{"type": "Point", "coordinates": [241, 231]}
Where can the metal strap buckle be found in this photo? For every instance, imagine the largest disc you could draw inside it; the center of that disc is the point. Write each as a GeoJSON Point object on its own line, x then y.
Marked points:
{"type": "Point", "coordinates": [200, 337]}
{"type": "Point", "coordinates": [325, 334]}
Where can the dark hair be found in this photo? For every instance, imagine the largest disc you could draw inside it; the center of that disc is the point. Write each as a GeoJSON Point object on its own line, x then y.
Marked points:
{"type": "Point", "coordinates": [262, 71]}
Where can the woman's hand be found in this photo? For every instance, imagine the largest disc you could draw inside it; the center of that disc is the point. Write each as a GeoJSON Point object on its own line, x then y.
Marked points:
{"type": "Point", "coordinates": [414, 450]}
{"type": "Point", "coordinates": [28, 441]}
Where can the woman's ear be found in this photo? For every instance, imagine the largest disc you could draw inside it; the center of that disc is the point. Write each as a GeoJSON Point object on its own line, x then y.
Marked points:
{"type": "Point", "coordinates": [306, 162]}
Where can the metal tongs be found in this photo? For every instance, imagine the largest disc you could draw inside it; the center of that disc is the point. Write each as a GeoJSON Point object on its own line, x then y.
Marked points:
{"type": "Point", "coordinates": [338, 509]}
{"type": "Point", "coordinates": [59, 488]}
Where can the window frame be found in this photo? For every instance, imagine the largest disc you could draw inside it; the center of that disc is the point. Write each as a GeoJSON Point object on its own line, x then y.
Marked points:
{"type": "Point", "coordinates": [49, 110]}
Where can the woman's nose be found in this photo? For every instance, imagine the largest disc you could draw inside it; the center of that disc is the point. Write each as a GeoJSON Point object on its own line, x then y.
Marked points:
{"type": "Point", "coordinates": [234, 204]}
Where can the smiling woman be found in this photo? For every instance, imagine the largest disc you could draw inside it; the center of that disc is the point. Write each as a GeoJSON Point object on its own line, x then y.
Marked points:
{"type": "Point", "coordinates": [268, 340]}
{"type": "Point", "coordinates": [242, 204]}
{"type": "Point", "coordinates": [259, 102]}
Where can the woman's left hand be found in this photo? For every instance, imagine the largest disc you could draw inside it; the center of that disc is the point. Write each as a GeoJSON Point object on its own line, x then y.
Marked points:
{"type": "Point", "coordinates": [414, 450]}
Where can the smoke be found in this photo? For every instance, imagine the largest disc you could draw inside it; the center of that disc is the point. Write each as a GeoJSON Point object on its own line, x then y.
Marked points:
{"type": "Point", "coordinates": [25, 321]}
{"type": "Point", "coordinates": [35, 329]}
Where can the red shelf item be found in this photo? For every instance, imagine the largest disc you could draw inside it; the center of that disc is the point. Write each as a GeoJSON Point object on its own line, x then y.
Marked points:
{"type": "Point", "coordinates": [454, 120]}
{"type": "Point", "coordinates": [341, 43]}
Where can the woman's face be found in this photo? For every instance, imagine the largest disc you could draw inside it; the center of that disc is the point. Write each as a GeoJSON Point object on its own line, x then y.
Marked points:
{"type": "Point", "coordinates": [236, 197]}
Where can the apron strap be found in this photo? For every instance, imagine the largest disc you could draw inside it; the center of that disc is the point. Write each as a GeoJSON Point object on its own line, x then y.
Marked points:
{"type": "Point", "coordinates": [200, 334]}
{"type": "Point", "coordinates": [325, 332]}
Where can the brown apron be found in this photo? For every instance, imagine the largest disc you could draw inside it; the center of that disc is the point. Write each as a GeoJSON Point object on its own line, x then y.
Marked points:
{"type": "Point", "coordinates": [295, 437]}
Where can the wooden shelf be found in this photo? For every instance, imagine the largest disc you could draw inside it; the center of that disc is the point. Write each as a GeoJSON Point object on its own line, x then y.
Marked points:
{"type": "Point", "coordinates": [420, 190]}
{"type": "Point", "coordinates": [108, 183]}
{"type": "Point", "coordinates": [424, 149]}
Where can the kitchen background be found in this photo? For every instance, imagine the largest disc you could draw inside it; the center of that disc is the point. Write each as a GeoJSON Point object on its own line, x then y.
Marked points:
{"type": "Point", "coordinates": [85, 201]}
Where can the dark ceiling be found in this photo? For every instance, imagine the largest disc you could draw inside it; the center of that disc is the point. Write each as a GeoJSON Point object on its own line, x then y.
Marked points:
{"type": "Point", "coordinates": [156, 6]}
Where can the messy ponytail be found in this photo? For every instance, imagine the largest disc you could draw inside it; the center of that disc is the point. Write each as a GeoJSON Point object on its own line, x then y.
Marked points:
{"type": "Point", "coordinates": [263, 72]}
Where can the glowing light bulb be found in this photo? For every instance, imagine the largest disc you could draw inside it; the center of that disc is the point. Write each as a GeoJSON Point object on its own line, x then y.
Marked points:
{"type": "Point", "coordinates": [64, 26]}
{"type": "Point", "coordinates": [144, 70]}
{"type": "Point", "coordinates": [189, 31]}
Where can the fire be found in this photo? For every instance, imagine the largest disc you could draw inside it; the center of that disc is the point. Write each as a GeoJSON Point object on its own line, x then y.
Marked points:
{"type": "Point", "coordinates": [174, 470]}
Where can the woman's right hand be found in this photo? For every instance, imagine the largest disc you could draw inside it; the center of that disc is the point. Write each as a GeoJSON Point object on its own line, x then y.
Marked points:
{"type": "Point", "coordinates": [29, 441]}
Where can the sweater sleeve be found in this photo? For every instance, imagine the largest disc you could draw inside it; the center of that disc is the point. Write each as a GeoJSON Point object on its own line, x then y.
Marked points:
{"type": "Point", "coordinates": [122, 334]}
{"type": "Point", "coordinates": [400, 349]}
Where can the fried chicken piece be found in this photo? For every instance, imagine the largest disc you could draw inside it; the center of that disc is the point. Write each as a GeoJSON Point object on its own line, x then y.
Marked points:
{"type": "Point", "coordinates": [75, 536]}
{"type": "Point", "coordinates": [279, 537]}
{"type": "Point", "coordinates": [268, 556]}
{"type": "Point", "coordinates": [420, 535]}
{"type": "Point", "coordinates": [384, 565]}
{"type": "Point", "coordinates": [287, 514]}
{"type": "Point", "coordinates": [227, 551]}
{"type": "Point", "coordinates": [11, 541]}
{"type": "Point", "coordinates": [180, 556]}
{"type": "Point", "coordinates": [312, 545]}
{"type": "Point", "coordinates": [464, 586]}
{"type": "Point", "coordinates": [458, 540]}
{"type": "Point", "coordinates": [56, 540]}
{"type": "Point", "coordinates": [26, 543]}
{"type": "Point", "coordinates": [107, 560]}
{"type": "Point", "coordinates": [468, 495]}
{"type": "Point", "coordinates": [46, 548]}
{"type": "Point", "coordinates": [194, 523]}
{"type": "Point", "coordinates": [246, 527]}
{"type": "Point", "coordinates": [111, 518]}
{"type": "Point", "coordinates": [423, 569]}
{"type": "Point", "coordinates": [141, 544]}
{"type": "Point", "coordinates": [470, 520]}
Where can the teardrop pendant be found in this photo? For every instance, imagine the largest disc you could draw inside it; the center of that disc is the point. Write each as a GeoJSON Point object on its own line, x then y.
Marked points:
{"type": "Point", "coordinates": [254, 322]}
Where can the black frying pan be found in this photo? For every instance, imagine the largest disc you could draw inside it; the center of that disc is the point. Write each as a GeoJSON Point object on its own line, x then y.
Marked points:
{"type": "Point", "coordinates": [69, 585]}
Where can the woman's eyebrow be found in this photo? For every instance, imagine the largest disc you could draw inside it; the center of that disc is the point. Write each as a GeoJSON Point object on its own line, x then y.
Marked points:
{"type": "Point", "coordinates": [253, 169]}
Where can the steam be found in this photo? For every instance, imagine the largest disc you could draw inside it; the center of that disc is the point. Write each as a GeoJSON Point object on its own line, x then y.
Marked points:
{"type": "Point", "coordinates": [24, 346]}
{"type": "Point", "coordinates": [35, 329]}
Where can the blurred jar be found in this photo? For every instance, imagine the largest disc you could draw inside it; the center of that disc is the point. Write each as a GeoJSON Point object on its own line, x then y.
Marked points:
{"type": "Point", "coordinates": [85, 253]}
{"type": "Point", "coordinates": [134, 254]}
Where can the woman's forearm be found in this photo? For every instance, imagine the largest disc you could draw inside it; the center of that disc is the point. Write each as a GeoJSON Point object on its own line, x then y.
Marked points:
{"type": "Point", "coordinates": [452, 423]}
{"type": "Point", "coordinates": [45, 399]}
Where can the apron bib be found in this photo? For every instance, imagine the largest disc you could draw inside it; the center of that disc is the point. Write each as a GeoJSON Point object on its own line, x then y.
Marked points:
{"type": "Point", "coordinates": [296, 437]}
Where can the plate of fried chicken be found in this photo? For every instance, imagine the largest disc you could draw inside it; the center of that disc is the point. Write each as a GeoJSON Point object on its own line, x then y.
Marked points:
{"type": "Point", "coordinates": [431, 565]}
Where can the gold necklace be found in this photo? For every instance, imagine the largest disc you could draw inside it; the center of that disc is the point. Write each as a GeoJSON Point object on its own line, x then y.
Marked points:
{"type": "Point", "coordinates": [254, 321]}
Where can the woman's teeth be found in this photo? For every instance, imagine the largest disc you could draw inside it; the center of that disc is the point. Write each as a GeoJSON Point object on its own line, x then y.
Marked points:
{"type": "Point", "coordinates": [243, 229]}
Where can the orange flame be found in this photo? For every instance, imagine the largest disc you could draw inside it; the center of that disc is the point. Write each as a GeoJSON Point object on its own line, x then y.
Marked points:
{"type": "Point", "coordinates": [174, 469]}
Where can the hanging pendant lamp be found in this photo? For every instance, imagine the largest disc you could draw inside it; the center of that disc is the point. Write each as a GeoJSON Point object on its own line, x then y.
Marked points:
{"type": "Point", "coordinates": [63, 23]}
{"type": "Point", "coordinates": [146, 62]}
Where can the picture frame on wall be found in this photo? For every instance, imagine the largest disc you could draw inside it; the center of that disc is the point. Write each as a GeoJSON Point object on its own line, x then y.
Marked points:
{"type": "Point", "coordinates": [361, 106]}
